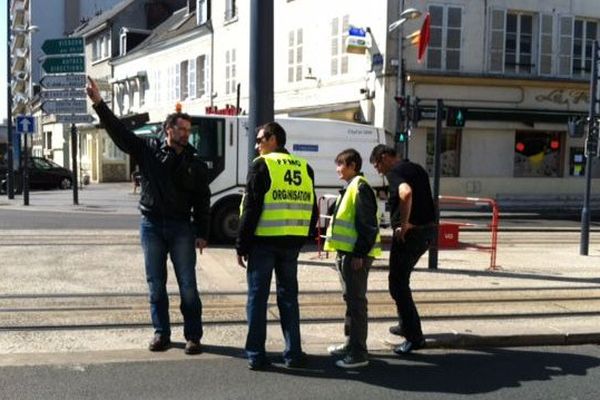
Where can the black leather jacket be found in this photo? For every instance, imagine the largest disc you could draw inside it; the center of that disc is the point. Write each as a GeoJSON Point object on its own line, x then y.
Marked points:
{"type": "Point", "coordinates": [173, 185]}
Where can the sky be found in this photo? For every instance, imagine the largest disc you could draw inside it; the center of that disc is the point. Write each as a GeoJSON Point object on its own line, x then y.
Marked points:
{"type": "Point", "coordinates": [3, 45]}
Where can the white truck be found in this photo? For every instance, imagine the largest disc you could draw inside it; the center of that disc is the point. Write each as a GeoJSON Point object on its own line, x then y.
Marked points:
{"type": "Point", "coordinates": [222, 142]}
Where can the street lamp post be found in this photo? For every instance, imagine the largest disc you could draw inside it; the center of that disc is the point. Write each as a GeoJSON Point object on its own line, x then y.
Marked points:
{"type": "Point", "coordinates": [30, 30]}
{"type": "Point", "coordinates": [405, 15]}
{"type": "Point", "coordinates": [10, 178]}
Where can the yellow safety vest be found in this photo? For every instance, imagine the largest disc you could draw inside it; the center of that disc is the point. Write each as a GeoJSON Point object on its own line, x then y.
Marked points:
{"type": "Point", "coordinates": [341, 233]}
{"type": "Point", "coordinates": [288, 204]}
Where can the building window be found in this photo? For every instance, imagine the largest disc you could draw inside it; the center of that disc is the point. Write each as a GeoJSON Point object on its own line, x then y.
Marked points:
{"type": "Point", "coordinates": [101, 47]}
{"type": "Point", "coordinates": [230, 9]}
{"type": "Point", "coordinates": [201, 75]}
{"type": "Point", "coordinates": [445, 40]}
{"type": "Point", "coordinates": [230, 71]}
{"type": "Point", "coordinates": [339, 57]}
{"type": "Point", "coordinates": [511, 42]}
{"type": "Point", "coordinates": [450, 152]}
{"type": "Point", "coordinates": [538, 154]}
{"type": "Point", "coordinates": [518, 43]}
{"type": "Point", "coordinates": [156, 86]}
{"type": "Point", "coordinates": [584, 34]}
{"type": "Point", "coordinates": [295, 56]}
{"type": "Point", "coordinates": [202, 12]}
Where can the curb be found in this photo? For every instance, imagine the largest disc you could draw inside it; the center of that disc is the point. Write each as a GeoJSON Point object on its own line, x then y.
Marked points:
{"type": "Point", "coordinates": [465, 341]}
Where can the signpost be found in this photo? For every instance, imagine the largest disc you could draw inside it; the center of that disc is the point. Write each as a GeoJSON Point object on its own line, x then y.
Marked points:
{"type": "Point", "coordinates": [72, 81]}
{"type": "Point", "coordinates": [73, 106]}
{"type": "Point", "coordinates": [62, 65]}
{"type": "Point", "coordinates": [74, 119]}
{"type": "Point", "coordinates": [25, 124]}
{"type": "Point", "coordinates": [64, 89]}
{"type": "Point", "coordinates": [63, 94]}
{"type": "Point", "coordinates": [72, 45]}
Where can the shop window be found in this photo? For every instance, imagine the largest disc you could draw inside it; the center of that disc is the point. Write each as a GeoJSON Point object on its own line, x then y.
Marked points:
{"type": "Point", "coordinates": [538, 154]}
{"type": "Point", "coordinates": [450, 152]}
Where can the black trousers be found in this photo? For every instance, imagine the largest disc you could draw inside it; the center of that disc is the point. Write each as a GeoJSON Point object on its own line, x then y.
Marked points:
{"type": "Point", "coordinates": [404, 255]}
{"type": "Point", "coordinates": [354, 291]}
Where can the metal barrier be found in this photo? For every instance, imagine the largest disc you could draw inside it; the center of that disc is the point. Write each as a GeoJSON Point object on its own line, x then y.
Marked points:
{"type": "Point", "coordinates": [324, 202]}
{"type": "Point", "coordinates": [475, 201]}
{"type": "Point", "coordinates": [448, 230]}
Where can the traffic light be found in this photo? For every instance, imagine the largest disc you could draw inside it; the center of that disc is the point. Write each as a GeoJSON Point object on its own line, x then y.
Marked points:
{"type": "Point", "coordinates": [415, 112]}
{"type": "Point", "coordinates": [401, 137]}
{"type": "Point", "coordinates": [455, 116]}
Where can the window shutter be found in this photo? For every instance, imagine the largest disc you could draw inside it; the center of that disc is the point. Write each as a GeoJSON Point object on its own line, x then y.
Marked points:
{"type": "Point", "coordinates": [565, 45]}
{"type": "Point", "coordinates": [496, 60]}
{"type": "Point", "coordinates": [546, 44]}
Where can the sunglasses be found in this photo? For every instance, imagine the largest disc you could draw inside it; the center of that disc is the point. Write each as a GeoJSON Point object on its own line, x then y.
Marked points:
{"type": "Point", "coordinates": [261, 139]}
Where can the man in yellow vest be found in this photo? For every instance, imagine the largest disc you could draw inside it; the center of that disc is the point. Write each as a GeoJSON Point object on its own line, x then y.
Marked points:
{"type": "Point", "coordinates": [354, 234]}
{"type": "Point", "coordinates": [278, 213]}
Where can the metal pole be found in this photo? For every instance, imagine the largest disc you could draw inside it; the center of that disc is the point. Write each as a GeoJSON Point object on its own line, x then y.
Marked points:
{"type": "Point", "coordinates": [10, 178]}
{"type": "Point", "coordinates": [261, 69]}
{"type": "Point", "coordinates": [400, 87]}
{"type": "Point", "coordinates": [74, 161]}
{"type": "Point", "coordinates": [25, 168]}
{"type": "Point", "coordinates": [590, 150]}
{"type": "Point", "coordinates": [433, 249]}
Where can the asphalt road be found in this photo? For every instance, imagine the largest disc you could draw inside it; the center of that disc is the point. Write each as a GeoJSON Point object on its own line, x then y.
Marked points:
{"type": "Point", "coordinates": [221, 373]}
{"type": "Point", "coordinates": [25, 219]}
{"type": "Point", "coordinates": [90, 218]}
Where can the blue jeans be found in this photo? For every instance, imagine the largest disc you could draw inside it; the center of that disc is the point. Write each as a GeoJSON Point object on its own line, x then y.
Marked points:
{"type": "Point", "coordinates": [261, 263]}
{"type": "Point", "coordinates": [162, 236]}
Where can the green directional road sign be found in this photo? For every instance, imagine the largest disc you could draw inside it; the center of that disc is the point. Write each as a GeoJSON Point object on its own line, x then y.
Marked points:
{"type": "Point", "coordinates": [63, 46]}
{"type": "Point", "coordinates": [59, 65]}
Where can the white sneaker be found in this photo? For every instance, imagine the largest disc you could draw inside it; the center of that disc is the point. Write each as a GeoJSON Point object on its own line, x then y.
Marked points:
{"type": "Point", "coordinates": [351, 362]}
{"type": "Point", "coordinates": [338, 349]}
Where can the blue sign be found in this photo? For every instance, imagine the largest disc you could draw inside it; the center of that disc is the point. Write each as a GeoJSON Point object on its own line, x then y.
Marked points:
{"type": "Point", "coordinates": [353, 31]}
{"type": "Point", "coordinates": [305, 147]}
{"type": "Point", "coordinates": [25, 124]}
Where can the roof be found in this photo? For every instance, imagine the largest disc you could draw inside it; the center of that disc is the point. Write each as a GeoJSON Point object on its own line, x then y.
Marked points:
{"type": "Point", "coordinates": [177, 25]}
{"type": "Point", "coordinates": [101, 18]}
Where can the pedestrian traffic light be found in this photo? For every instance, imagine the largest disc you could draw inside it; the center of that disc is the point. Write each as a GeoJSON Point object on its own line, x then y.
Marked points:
{"type": "Point", "coordinates": [455, 116]}
{"type": "Point", "coordinates": [401, 137]}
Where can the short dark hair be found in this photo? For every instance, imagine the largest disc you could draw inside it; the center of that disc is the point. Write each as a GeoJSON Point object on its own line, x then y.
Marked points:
{"type": "Point", "coordinates": [348, 157]}
{"type": "Point", "coordinates": [274, 129]}
{"type": "Point", "coordinates": [171, 120]}
{"type": "Point", "coordinates": [379, 151]}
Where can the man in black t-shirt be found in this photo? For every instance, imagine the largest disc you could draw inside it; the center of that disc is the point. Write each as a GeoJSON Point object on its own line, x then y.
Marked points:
{"type": "Point", "coordinates": [413, 219]}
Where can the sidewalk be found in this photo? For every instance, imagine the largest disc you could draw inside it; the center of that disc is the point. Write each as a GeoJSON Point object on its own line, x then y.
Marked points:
{"type": "Point", "coordinates": [544, 293]}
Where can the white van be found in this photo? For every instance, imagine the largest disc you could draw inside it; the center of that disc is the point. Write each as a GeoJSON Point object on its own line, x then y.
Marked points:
{"type": "Point", "coordinates": [222, 142]}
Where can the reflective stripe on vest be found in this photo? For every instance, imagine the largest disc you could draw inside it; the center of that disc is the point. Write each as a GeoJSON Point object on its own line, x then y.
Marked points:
{"type": "Point", "coordinates": [288, 204]}
{"type": "Point", "coordinates": [341, 233]}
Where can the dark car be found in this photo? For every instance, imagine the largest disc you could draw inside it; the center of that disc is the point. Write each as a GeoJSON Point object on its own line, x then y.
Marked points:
{"type": "Point", "coordinates": [43, 174]}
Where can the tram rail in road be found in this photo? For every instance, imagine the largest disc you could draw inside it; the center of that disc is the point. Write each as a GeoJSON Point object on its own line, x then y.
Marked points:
{"type": "Point", "coordinates": [113, 310]}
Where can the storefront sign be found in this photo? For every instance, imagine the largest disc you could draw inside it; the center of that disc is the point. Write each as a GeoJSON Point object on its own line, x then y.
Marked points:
{"type": "Point", "coordinates": [564, 96]}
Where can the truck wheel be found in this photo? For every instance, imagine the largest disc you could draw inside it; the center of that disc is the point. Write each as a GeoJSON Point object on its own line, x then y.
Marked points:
{"type": "Point", "coordinates": [225, 223]}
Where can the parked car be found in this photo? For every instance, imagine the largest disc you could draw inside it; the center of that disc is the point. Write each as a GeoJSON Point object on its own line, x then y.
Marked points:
{"type": "Point", "coordinates": [43, 174]}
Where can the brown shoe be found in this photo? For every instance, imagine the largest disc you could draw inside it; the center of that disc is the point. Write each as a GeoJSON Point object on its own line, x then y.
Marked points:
{"type": "Point", "coordinates": [159, 343]}
{"type": "Point", "coordinates": [193, 347]}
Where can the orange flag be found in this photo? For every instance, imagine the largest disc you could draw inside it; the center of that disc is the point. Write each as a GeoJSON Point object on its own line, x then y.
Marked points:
{"type": "Point", "coordinates": [424, 38]}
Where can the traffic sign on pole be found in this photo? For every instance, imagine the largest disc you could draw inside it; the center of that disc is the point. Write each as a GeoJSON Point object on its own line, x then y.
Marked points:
{"type": "Point", "coordinates": [60, 65]}
{"type": "Point", "coordinates": [58, 46]}
{"type": "Point", "coordinates": [63, 94]}
{"type": "Point", "coordinates": [63, 81]}
{"type": "Point", "coordinates": [65, 107]}
{"type": "Point", "coordinates": [25, 124]}
{"type": "Point", "coordinates": [74, 119]}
